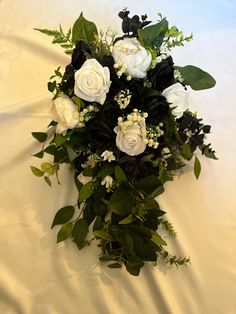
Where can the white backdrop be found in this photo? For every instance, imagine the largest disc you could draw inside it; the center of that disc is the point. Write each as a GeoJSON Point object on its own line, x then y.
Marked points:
{"type": "Point", "coordinates": [37, 275]}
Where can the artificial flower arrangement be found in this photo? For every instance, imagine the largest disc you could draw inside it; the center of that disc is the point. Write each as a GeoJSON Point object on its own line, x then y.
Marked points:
{"type": "Point", "coordinates": [120, 119]}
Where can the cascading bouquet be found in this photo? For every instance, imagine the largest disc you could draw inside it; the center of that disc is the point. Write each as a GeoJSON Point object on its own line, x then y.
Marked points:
{"type": "Point", "coordinates": [120, 119]}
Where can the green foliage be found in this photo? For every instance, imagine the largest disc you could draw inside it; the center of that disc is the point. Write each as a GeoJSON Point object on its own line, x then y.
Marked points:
{"type": "Point", "coordinates": [63, 215]}
{"type": "Point", "coordinates": [156, 238]}
{"type": "Point", "coordinates": [37, 172]}
{"type": "Point", "coordinates": [65, 232]}
{"type": "Point", "coordinates": [80, 231]}
{"type": "Point", "coordinates": [121, 201]}
{"type": "Point", "coordinates": [196, 77]}
{"type": "Point", "coordinates": [168, 227]}
{"type": "Point", "coordinates": [197, 167]}
{"type": "Point", "coordinates": [186, 151]}
{"type": "Point", "coordinates": [103, 234]}
{"type": "Point", "coordinates": [41, 137]}
{"type": "Point", "coordinates": [119, 174]}
{"type": "Point", "coordinates": [86, 191]}
{"type": "Point", "coordinates": [59, 37]}
{"type": "Point", "coordinates": [84, 30]}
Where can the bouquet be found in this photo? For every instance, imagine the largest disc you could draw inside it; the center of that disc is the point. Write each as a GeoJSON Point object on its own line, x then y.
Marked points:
{"type": "Point", "coordinates": [120, 119]}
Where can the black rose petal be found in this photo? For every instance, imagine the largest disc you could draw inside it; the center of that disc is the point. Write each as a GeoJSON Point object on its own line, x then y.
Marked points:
{"type": "Point", "coordinates": [68, 80]}
{"type": "Point", "coordinates": [162, 76]}
{"type": "Point", "coordinates": [157, 108]}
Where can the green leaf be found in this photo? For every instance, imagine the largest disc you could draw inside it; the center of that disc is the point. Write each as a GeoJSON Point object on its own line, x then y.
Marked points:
{"type": "Point", "coordinates": [208, 152]}
{"type": "Point", "coordinates": [106, 170]}
{"type": "Point", "coordinates": [98, 223]}
{"type": "Point", "coordinates": [48, 181]}
{"type": "Point", "coordinates": [197, 167]}
{"type": "Point", "coordinates": [153, 35]}
{"type": "Point", "coordinates": [40, 136]}
{"type": "Point", "coordinates": [196, 77]}
{"type": "Point", "coordinates": [105, 235]}
{"type": "Point", "coordinates": [119, 174]}
{"type": "Point", "coordinates": [83, 30]}
{"type": "Point", "coordinates": [39, 154]}
{"type": "Point", "coordinates": [63, 215]}
{"type": "Point", "coordinates": [186, 151]}
{"type": "Point", "coordinates": [60, 139]}
{"type": "Point", "coordinates": [52, 86]}
{"type": "Point", "coordinates": [127, 220]}
{"type": "Point", "coordinates": [48, 168]}
{"type": "Point", "coordinates": [86, 191]}
{"type": "Point", "coordinates": [65, 232]}
{"type": "Point", "coordinates": [134, 265]}
{"type": "Point", "coordinates": [71, 153]}
{"type": "Point", "coordinates": [115, 265]}
{"type": "Point", "coordinates": [37, 172]}
{"type": "Point", "coordinates": [156, 238]}
{"type": "Point", "coordinates": [80, 231]}
{"type": "Point", "coordinates": [121, 201]}
{"type": "Point", "coordinates": [151, 186]}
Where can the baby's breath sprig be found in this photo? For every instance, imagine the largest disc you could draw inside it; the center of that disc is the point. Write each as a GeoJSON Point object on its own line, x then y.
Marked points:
{"type": "Point", "coordinates": [153, 132]}
{"type": "Point", "coordinates": [137, 116]}
{"type": "Point", "coordinates": [86, 114]}
{"type": "Point", "coordinates": [123, 98]}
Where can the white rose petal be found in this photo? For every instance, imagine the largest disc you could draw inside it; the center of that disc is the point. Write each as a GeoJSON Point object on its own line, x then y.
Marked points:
{"type": "Point", "coordinates": [132, 139]}
{"type": "Point", "coordinates": [65, 112]}
{"type": "Point", "coordinates": [84, 179]}
{"type": "Point", "coordinates": [92, 81]}
{"type": "Point", "coordinates": [177, 96]}
{"type": "Point", "coordinates": [130, 52]}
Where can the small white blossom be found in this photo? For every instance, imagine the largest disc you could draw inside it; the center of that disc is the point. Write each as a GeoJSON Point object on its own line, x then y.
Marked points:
{"type": "Point", "coordinates": [108, 155]}
{"type": "Point", "coordinates": [107, 181]}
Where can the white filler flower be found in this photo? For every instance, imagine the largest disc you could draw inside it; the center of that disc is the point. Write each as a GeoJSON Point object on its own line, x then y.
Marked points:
{"type": "Point", "coordinates": [108, 155]}
{"type": "Point", "coordinates": [133, 55]}
{"type": "Point", "coordinates": [107, 181]}
{"type": "Point", "coordinates": [65, 112]}
{"type": "Point", "coordinates": [177, 96]}
{"type": "Point", "coordinates": [92, 81]}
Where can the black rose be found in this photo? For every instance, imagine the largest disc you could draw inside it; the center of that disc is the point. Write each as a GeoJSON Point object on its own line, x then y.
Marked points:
{"type": "Point", "coordinates": [156, 107]}
{"type": "Point", "coordinates": [79, 54]}
{"type": "Point", "coordinates": [135, 167]}
{"type": "Point", "coordinates": [162, 76]}
{"type": "Point", "coordinates": [68, 80]}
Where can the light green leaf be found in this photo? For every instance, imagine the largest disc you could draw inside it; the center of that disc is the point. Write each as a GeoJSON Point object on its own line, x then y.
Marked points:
{"type": "Point", "coordinates": [48, 168]}
{"type": "Point", "coordinates": [65, 232]}
{"type": "Point", "coordinates": [156, 238]}
{"type": "Point", "coordinates": [197, 167]}
{"type": "Point", "coordinates": [48, 181]}
{"type": "Point", "coordinates": [37, 172]}
{"type": "Point", "coordinates": [105, 235]}
{"type": "Point", "coordinates": [86, 191]}
{"type": "Point", "coordinates": [126, 220]}
{"type": "Point", "coordinates": [196, 77]}
{"type": "Point", "coordinates": [83, 30]}
{"type": "Point", "coordinates": [60, 139]}
{"type": "Point", "coordinates": [153, 35]}
{"type": "Point", "coordinates": [186, 151]}
{"type": "Point", "coordinates": [63, 215]}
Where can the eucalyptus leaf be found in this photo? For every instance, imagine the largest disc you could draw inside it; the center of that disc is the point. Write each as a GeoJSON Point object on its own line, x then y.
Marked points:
{"type": "Point", "coordinates": [153, 35]}
{"type": "Point", "coordinates": [196, 77]}
{"type": "Point", "coordinates": [83, 30]}
{"type": "Point", "coordinates": [186, 151]}
{"type": "Point", "coordinates": [197, 167]}
{"type": "Point", "coordinates": [63, 215]}
{"type": "Point", "coordinates": [65, 232]}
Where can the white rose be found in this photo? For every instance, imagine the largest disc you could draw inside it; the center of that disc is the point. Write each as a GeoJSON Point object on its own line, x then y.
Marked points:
{"type": "Point", "coordinates": [92, 81]}
{"type": "Point", "coordinates": [131, 140]}
{"type": "Point", "coordinates": [65, 112]}
{"type": "Point", "coordinates": [84, 179]}
{"type": "Point", "coordinates": [130, 52]}
{"type": "Point", "coordinates": [177, 96]}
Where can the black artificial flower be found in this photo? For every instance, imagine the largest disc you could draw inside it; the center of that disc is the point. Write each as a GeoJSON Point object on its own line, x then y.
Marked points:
{"type": "Point", "coordinates": [131, 25]}
{"type": "Point", "coordinates": [68, 80]}
{"type": "Point", "coordinates": [134, 167]}
{"type": "Point", "coordinates": [79, 54]}
{"type": "Point", "coordinates": [157, 108]}
{"type": "Point", "coordinates": [162, 76]}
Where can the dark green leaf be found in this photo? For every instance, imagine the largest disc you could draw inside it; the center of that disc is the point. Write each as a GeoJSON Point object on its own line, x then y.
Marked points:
{"type": "Point", "coordinates": [105, 235]}
{"type": "Point", "coordinates": [196, 77]}
{"type": "Point", "coordinates": [63, 215]}
{"type": "Point", "coordinates": [186, 151]}
{"type": "Point", "coordinates": [40, 136]}
{"type": "Point", "coordinates": [52, 86]}
{"type": "Point", "coordinates": [151, 186]}
{"type": "Point", "coordinates": [39, 154]}
{"type": "Point", "coordinates": [86, 191]}
{"type": "Point", "coordinates": [106, 170]}
{"type": "Point", "coordinates": [88, 213]}
{"type": "Point", "coordinates": [153, 35]}
{"type": "Point", "coordinates": [48, 181]}
{"type": "Point", "coordinates": [127, 220]}
{"type": "Point", "coordinates": [80, 231]}
{"type": "Point", "coordinates": [134, 265]}
{"type": "Point", "coordinates": [60, 139]}
{"type": "Point", "coordinates": [65, 232]}
{"type": "Point", "coordinates": [121, 201]}
{"type": "Point", "coordinates": [37, 172]}
{"type": "Point", "coordinates": [98, 223]}
{"type": "Point", "coordinates": [197, 167]}
{"type": "Point", "coordinates": [115, 265]}
{"type": "Point", "coordinates": [107, 258]}
{"type": "Point", "coordinates": [119, 174]}
{"type": "Point", "coordinates": [83, 30]}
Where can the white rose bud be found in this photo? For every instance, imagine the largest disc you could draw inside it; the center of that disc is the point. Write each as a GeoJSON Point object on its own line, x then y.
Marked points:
{"type": "Point", "coordinates": [177, 96]}
{"type": "Point", "coordinates": [92, 81]}
{"type": "Point", "coordinates": [65, 112]}
{"type": "Point", "coordinates": [131, 140]}
{"type": "Point", "coordinates": [130, 52]}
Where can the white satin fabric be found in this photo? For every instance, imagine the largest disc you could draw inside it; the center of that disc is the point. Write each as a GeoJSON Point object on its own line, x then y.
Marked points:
{"type": "Point", "coordinates": [37, 275]}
